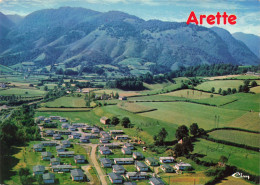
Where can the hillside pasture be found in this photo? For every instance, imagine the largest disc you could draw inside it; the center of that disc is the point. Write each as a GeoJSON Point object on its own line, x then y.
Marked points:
{"type": "Point", "coordinates": [240, 137]}
{"type": "Point", "coordinates": [255, 89]}
{"type": "Point", "coordinates": [67, 102]}
{"type": "Point", "coordinates": [22, 92]}
{"type": "Point", "coordinates": [250, 121]}
{"type": "Point", "coordinates": [241, 158]}
{"type": "Point", "coordinates": [187, 113]}
{"type": "Point", "coordinates": [221, 77]}
{"type": "Point", "coordinates": [190, 94]}
{"type": "Point", "coordinates": [217, 84]}
{"type": "Point", "coordinates": [120, 92]}
{"type": "Point", "coordinates": [156, 98]}
{"type": "Point", "coordinates": [134, 107]}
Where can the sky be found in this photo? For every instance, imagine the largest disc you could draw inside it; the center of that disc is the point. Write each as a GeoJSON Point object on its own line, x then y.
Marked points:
{"type": "Point", "coordinates": [247, 11]}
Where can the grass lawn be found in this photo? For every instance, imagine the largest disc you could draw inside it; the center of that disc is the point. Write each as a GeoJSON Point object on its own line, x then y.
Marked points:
{"type": "Point", "coordinates": [187, 113]}
{"type": "Point", "coordinates": [22, 92]}
{"type": "Point", "coordinates": [67, 101]}
{"type": "Point", "coordinates": [240, 137]}
{"type": "Point", "coordinates": [233, 181]}
{"type": "Point", "coordinates": [134, 107]}
{"type": "Point", "coordinates": [241, 158]}
{"type": "Point", "coordinates": [217, 84]}
{"type": "Point", "coordinates": [190, 94]}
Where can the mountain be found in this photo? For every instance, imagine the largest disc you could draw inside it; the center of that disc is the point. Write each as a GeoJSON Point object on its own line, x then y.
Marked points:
{"type": "Point", "coordinates": [15, 18]}
{"type": "Point", "coordinates": [251, 41]}
{"type": "Point", "coordinates": [76, 38]}
{"type": "Point", "coordinates": [5, 25]}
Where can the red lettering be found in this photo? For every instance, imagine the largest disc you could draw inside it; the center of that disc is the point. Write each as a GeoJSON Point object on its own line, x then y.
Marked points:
{"type": "Point", "coordinates": [218, 18]}
{"type": "Point", "coordinates": [232, 19]}
{"type": "Point", "coordinates": [210, 19]}
{"type": "Point", "coordinates": [192, 18]}
{"type": "Point", "coordinates": [224, 18]}
{"type": "Point", "coordinates": [201, 18]}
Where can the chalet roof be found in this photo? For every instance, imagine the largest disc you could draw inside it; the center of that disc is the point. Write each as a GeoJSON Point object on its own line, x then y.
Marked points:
{"type": "Point", "coordinates": [152, 160]}
{"type": "Point", "coordinates": [48, 176]}
{"type": "Point", "coordinates": [141, 164]}
{"type": "Point", "coordinates": [117, 131]}
{"type": "Point", "coordinates": [162, 158]}
{"type": "Point", "coordinates": [56, 135]}
{"type": "Point", "coordinates": [60, 147]}
{"type": "Point", "coordinates": [39, 168]}
{"type": "Point", "coordinates": [104, 118]}
{"type": "Point", "coordinates": [65, 142]}
{"type": "Point", "coordinates": [66, 152]}
{"type": "Point", "coordinates": [49, 131]}
{"type": "Point", "coordinates": [118, 167]}
{"type": "Point", "coordinates": [105, 161]}
{"type": "Point", "coordinates": [79, 157]}
{"type": "Point", "coordinates": [133, 174]}
{"type": "Point", "coordinates": [128, 145]}
{"type": "Point", "coordinates": [37, 146]}
{"type": "Point", "coordinates": [130, 183]}
{"type": "Point", "coordinates": [138, 154]}
{"type": "Point", "coordinates": [156, 181]}
{"type": "Point", "coordinates": [184, 164]}
{"type": "Point", "coordinates": [103, 148]}
{"type": "Point", "coordinates": [55, 159]}
{"type": "Point", "coordinates": [115, 176]}
{"type": "Point", "coordinates": [77, 173]}
{"type": "Point", "coordinates": [61, 166]}
{"type": "Point", "coordinates": [166, 166]}
{"type": "Point", "coordinates": [127, 149]}
{"type": "Point", "coordinates": [123, 159]}
{"type": "Point", "coordinates": [46, 154]}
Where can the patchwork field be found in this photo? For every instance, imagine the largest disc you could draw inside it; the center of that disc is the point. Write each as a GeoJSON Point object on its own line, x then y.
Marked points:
{"type": "Point", "coordinates": [187, 113]}
{"type": "Point", "coordinates": [239, 137]}
{"type": "Point", "coordinates": [223, 84]}
{"type": "Point", "coordinates": [67, 102]}
{"type": "Point", "coordinates": [156, 98]}
{"type": "Point", "coordinates": [133, 107]}
{"type": "Point", "coordinates": [249, 120]}
{"type": "Point", "coordinates": [233, 181]}
{"type": "Point", "coordinates": [190, 94]}
{"type": "Point", "coordinates": [22, 92]}
{"type": "Point", "coordinates": [242, 158]}
{"type": "Point", "coordinates": [120, 92]}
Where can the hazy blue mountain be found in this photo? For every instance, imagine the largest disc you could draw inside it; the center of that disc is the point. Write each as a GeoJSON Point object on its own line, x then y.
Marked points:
{"type": "Point", "coordinates": [15, 18]}
{"type": "Point", "coordinates": [77, 37]}
{"type": "Point", "coordinates": [251, 41]}
{"type": "Point", "coordinates": [5, 25]}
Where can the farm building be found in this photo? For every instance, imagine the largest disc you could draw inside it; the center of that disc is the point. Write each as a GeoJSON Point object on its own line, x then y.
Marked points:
{"type": "Point", "coordinates": [65, 154]}
{"type": "Point", "coordinates": [61, 168]}
{"type": "Point", "coordinates": [38, 170]}
{"type": "Point", "coordinates": [114, 132]}
{"type": "Point", "coordinates": [156, 181]}
{"type": "Point", "coordinates": [167, 168]}
{"type": "Point", "coordinates": [49, 132]}
{"type": "Point", "coordinates": [122, 98]}
{"type": "Point", "coordinates": [60, 148]}
{"type": "Point", "coordinates": [166, 159]}
{"type": "Point", "coordinates": [55, 161]}
{"type": "Point", "coordinates": [136, 175]}
{"type": "Point", "coordinates": [104, 120]}
{"type": "Point", "coordinates": [46, 156]}
{"type": "Point", "coordinates": [182, 166]}
{"type": "Point", "coordinates": [138, 155]}
{"type": "Point", "coordinates": [106, 163]}
{"type": "Point", "coordinates": [126, 151]}
{"type": "Point", "coordinates": [151, 161]}
{"type": "Point", "coordinates": [104, 150]}
{"type": "Point", "coordinates": [49, 143]}
{"type": "Point", "coordinates": [95, 130]}
{"type": "Point", "coordinates": [84, 139]}
{"type": "Point", "coordinates": [48, 178]}
{"type": "Point", "coordinates": [66, 143]}
{"type": "Point", "coordinates": [77, 175]}
{"type": "Point", "coordinates": [103, 140]}
{"type": "Point", "coordinates": [65, 125]}
{"type": "Point", "coordinates": [79, 159]}
{"type": "Point", "coordinates": [141, 167]}
{"type": "Point", "coordinates": [115, 178]}
{"type": "Point", "coordinates": [118, 169]}
{"type": "Point", "coordinates": [124, 161]}
{"type": "Point", "coordinates": [121, 137]}
{"type": "Point", "coordinates": [38, 147]}
{"type": "Point", "coordinates": [129, 145]}
{"type": "Point", "coordinates": [56, 136]}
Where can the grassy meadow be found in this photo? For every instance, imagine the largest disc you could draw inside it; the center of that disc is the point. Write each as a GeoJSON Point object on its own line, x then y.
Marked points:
{"type": "Point", "coordinates": [190, 94]}
{"type": "Point", "coordinates": [22, 92]}
{"type": "Point", "coordinates": [217, 84]}
{"type": "Point", "coordinates": [67, 101]}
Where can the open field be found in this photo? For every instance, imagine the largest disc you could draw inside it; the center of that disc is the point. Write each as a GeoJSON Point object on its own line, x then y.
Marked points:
{"type": "Point", "coordinates": [133, 107]}
{"type": "Point", "coordinates": [221, 77]}
{"type": "Point", "coordinates": [242, 158]}
{"type": "Point", "coordinates": [165, 89]}
{"type": "Point", "coordinates": [249, 120]}
{"type": "Point", "coordinates": [187, 113]}
{"type": "Point", "coordinates": [255, 89]}
{"type": "Point", "coordinates": [156, 98]}
{"type": "Point", "coordinates": [67, 101]}
{"type": "Point", "coordinates": [45, 109]}
{"type": "Point", "coordinates": [235, 136]}
{"type": "Point", "coordinates": [34, 79]}
{"type": "Point", "coordinates": [233, 181]}
{"type": "Point", "coordinates": [120, 92]}
{"type": "Point", "coordinates": [245, 77]}
{"type": "Point", "coordinates": [22, 92]}
{"type": "Point", "coordinates": [190, 94]}
{"type": "Point", "coordinates": [217, 84]}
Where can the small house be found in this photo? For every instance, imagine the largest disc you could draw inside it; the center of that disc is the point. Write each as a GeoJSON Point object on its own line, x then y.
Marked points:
{"type": "Point", "coordinates": [126, 151]}
{"type": "Point", "coordinates": [38, 170]}
{"type": "Point", "coordinates": [54, 117]}
{"type": "Point", "coordinates": [167, 168]}
{"type": "Point", "coordinates": [182, 166]}
{"type": "Point", "coordinates": [105, 135]}
{"type": "Point", "coordinates": [64, 132]}
{"type": "Point", "coordinates": [122, 98]}
{"type": "Point", "coordinates": [76, 135]}
{"type": "Point", "coordinates": [124, 161]}
{"type": "Point", "coordinates": [91, 136]}
{"type": "Point", "coordinates": [130, 183]}
{"type": "Point", "coordinates": [151, 161]}
{"type": "Point", "coordinates": [121, 137]}
{"type": "Point", "coordinates": [56, 136]}
{"type": "Point", "coordinates": [48, 178]}
{"type": "Point", "coordinates": [115, 178]}
{"type": "Point", "coordinates": [129, 145]}
{"type": "Point", "coordinates": [63, 120]}
{"type": "Point", "coordinates": [38, 147]}
{"type": "Point", "coordinates": [65, 125]}
{"type": "Point", "coordinates": [40, 118]}
{"type": "Point", "coordinates": [49, 143]}
{"type": "Point", "coordinates": [114, 132]}
{"type": "Point", "coordinates": [156, 181]}
{"type": "Point", "coordinates": [95, 130]}
{"type": "Point", "coordinates": [77, 175]}
{"type": "Point", "coordinates": [104, 120]}
{"type": "Point", "coordinates": [71, 128]}
{"type": "Point", "coordinates": [106, 163]}
{"type": "Point", "coordinates": [118, 169]}
{"type": "Point", "coordinates": [104, 150]}
{"type": "Point", "coordinates": [49, 132]}
{"type": "Point", "coordinates": [46, 156]}
{"type": "Point", "coordinates": [61, 168]}
{"type": "Point", "coordinates": [141, 167]}
{"type": "Point", "coordinates": [103, 140]}
{"type": "Point", "coordinates": [84, 139]}
{"type": "Point", "coordinates": [136, 175]}
{"type": "Point", "coordinates": [78, 125]}
{"type": "Point", "coordinates": [55, 161]}
{"type": "Point", "coordinates": [66, 143]}
{"type": "Point", "coordinates": [138, 155]}
{"type": "Point", "coordinates": [79, 159]}
{"type": "Point", "coordinates": [65, 154]}
{"type": "Point", "coordinates": [60, 148]}
{"type": "Point", "coordinates": [166, 159]}
{"type": "Point", "coordinates": [112, 145]}
{"type": "Point", "coordinates": [47, 120]}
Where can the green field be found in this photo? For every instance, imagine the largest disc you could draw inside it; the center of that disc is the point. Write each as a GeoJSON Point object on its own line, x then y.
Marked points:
{"type": "Point", "coordinates": [187, 113]}
{"type": "Point", "coordinates": [244, 77]}
{"type": "Point", "coordinates": [133, 107]}
{"type": "Point", "coordinates": [242, 158]}
{"type": "Point", "coordinates": [67, 102]}
{"type": "Point", "coordinates": [156, 98]}
{"type": "Point", "coordinates": [5, 69]}
{"type": "Point", "coordinates": [22, 92]}
{"type": "Point", "coordinates": [190, 94]}
{"type": "Point", "coordinates": [217, 84]}
{"type": "Point", "coordinates": [239, 137]}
